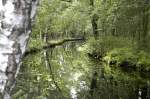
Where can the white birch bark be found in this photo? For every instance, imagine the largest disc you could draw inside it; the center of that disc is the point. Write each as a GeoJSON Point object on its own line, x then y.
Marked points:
{"type": "Point", "coordinates": [16, 17]}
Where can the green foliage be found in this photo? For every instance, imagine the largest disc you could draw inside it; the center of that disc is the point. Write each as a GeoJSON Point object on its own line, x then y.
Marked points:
{"type": "Point", "coordinates": [115, 55]}
{"type": "Point", "coordinates": [140, 61]}
{"type": "Point", "coordinates": [106, 44]}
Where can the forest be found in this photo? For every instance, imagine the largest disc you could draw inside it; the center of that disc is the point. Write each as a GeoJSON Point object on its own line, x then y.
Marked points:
{"type": "Point", "coordinates": [85, 49]}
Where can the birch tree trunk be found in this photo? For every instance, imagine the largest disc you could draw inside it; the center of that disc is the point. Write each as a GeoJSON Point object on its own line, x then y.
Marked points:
{"type": "Point", "coordinates": [16, 17]}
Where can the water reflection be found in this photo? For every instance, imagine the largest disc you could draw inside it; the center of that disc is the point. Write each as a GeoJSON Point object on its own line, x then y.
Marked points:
{"type": "Point", "coordinates": [80, 69]}
{"type": "Point", "coordinates": [73, 72]}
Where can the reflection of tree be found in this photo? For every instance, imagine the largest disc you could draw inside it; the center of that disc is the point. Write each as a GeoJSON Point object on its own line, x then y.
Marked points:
{"type": "Point", "coordinates": [49, 66]}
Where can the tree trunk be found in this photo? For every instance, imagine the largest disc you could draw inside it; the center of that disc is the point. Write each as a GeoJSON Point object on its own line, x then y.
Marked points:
{"type": "Point", "coordinates": [145, 24]}
{"type": "Point", "coordinates": [16, 17]}
{"type": "Point", "coordinates": [94, 21]}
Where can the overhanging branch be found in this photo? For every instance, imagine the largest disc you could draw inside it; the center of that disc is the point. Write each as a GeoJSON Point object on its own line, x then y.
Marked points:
{"type": "Point", "coordinates": [51, 44]}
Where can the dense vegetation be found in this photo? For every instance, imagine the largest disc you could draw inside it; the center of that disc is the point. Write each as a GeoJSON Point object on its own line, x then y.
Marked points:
{"type": "Point", "coordinates": [88, 49]}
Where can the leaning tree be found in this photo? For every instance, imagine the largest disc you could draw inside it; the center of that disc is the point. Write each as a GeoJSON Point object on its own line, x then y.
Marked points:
{"type": "Point", "coordinates": [16, 17]}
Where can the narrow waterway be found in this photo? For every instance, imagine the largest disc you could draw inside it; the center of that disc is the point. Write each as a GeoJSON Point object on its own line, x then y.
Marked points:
{"type": "Point", "coordinates": [72, 77]}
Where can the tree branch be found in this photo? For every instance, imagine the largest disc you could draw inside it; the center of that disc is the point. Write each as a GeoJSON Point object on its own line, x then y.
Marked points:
{"type": "Point", "coordinates": [51, 44]}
